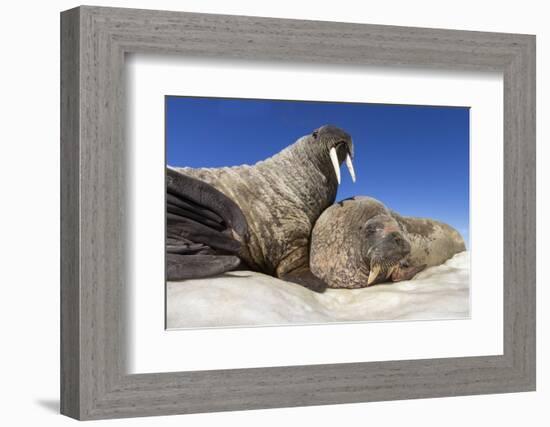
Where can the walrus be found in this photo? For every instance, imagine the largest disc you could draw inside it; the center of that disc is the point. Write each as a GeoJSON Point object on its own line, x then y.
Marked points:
{"type": "Point", "coordinates": [359, 242]}
{"type": "Point", "coordinates": [280, 198]}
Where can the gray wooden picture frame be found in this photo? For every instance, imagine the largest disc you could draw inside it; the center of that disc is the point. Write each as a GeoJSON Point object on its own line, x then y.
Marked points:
{"type": "Point", "coordinates": [94, 382]}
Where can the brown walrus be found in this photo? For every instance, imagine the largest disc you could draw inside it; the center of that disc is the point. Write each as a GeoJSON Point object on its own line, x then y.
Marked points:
{"type": "Point", "coordinates": [280, 198]}
{"type": "Point", "coordinates": [359, 242]}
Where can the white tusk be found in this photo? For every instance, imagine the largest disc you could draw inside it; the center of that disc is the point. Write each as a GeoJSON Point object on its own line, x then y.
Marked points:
{"type": "Point", "coordinates": [390, 271]}
{"type": "Point", "coordinates": [349, 164]}
{"type": "Point", "coordinates": [373, 274]}
{"type": "Point", "coordinates": [335, 163]}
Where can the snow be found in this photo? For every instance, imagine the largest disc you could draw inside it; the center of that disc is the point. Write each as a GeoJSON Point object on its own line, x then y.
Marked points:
{"type": "Point", "coordinates": [245, 298]}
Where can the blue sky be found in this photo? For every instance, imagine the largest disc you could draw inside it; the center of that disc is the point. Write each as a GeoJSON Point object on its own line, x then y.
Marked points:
{"type": "Point", "coordinates": [415, 159]}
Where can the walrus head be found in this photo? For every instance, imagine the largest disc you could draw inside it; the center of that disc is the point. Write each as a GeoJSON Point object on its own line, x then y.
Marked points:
{"type": "Point", "coordinates": [384, 248]}
{"type": "Point", "coordinates": [339, 146]}
{"type": "Point", "coordinates": [356, 243]}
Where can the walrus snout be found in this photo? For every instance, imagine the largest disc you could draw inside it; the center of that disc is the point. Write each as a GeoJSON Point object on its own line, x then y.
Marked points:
{"type": "Point", "coordinates": [386, 255]}
{"type": "Point", "coordinates": [339, 146]}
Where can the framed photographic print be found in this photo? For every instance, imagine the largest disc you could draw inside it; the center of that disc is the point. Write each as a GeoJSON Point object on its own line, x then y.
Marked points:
{"type": "Point", "coordinates": [292, 232]}
{"type": "Point", "coordinates": [262, 213]}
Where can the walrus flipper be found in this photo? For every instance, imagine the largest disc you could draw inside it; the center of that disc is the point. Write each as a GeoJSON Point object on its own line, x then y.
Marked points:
{"type": "Point", "coordinates": [303, 276]}
{"type": "Point", "coordinates": [406, 272]}
{"type": "Point", "coordinates": [204, 229]}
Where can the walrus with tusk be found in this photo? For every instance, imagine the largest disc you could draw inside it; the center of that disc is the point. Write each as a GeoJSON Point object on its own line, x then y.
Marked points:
{"type": "Point", "coordinates": [280, 199]}
{"type": "Point", "coordinates": [360, 242]}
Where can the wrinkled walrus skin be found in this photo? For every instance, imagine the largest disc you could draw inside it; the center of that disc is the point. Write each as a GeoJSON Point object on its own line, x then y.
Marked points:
{"type": "Point", "coordinates": [281, 198]}
{"type": "Point", "coordinates": [359, 242]}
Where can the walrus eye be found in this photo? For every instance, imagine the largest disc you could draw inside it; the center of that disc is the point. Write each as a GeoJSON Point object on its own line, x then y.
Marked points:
{"type": "Point", "coordinates": [369, 229]}
{"type": "Point", "coordinates": [314, 134]}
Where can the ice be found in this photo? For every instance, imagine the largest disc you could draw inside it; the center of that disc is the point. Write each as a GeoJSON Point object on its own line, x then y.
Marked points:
{"type": "Point", "coordinates": [245, 298]}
